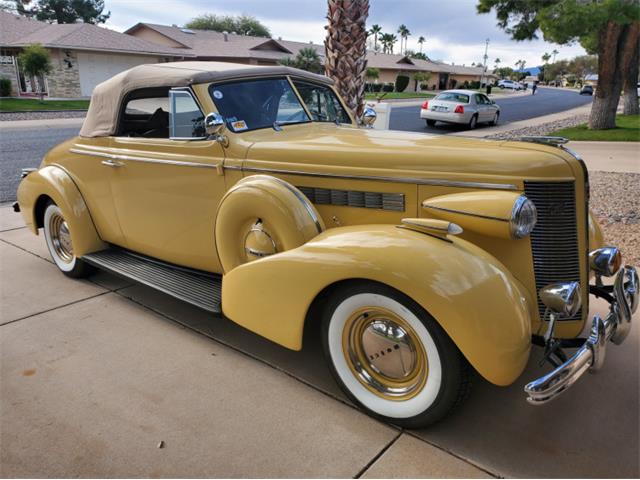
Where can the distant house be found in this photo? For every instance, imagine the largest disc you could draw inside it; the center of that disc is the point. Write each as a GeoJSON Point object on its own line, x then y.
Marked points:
{"type": "Point", "coordinates": [82, 55]}
{"type": "Point", "coordinates": [209, 45]}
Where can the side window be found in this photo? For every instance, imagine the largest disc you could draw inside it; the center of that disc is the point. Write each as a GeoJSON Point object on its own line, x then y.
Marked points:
{"type": "Point", "coordinates": [186, 120]}
{"type": "Point", "coordinates": [146, 114]}
{"type": "Point", "coordinates": [322, 103]}
{"type": "Point", "coordinates": [479, 99]}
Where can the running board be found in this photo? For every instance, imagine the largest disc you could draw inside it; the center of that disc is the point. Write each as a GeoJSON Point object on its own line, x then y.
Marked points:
{"type": "Point", "coordinates": [197, 288]}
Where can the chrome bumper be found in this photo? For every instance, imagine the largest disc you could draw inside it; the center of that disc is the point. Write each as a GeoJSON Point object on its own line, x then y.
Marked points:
{"type": "Point", "coordinates": [590, 357]}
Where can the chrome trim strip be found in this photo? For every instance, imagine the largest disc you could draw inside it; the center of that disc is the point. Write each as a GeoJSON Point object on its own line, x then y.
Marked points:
{"type": "Point", "coordinates": [115, 156]}
{"type": "Point", "coordinates": [305, 202]}
{"type": "Point", "coordinates": [419, 181]}
{"type": "Point", "coordinates": [460, 212]}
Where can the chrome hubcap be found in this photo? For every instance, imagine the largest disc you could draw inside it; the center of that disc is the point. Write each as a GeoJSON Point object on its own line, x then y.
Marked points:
{"type": "Point", "coordinates": [385, 354]}
{"type": "Point", "coordinates": [61, 238]}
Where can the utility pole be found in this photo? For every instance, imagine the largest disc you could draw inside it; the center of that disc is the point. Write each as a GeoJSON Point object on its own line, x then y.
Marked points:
{"type": "Point", "coordinates": [484, 63]}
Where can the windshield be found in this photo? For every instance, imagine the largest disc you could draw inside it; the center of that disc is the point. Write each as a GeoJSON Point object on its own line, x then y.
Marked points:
{"type": "Point", "coordinates": [453, 97]}
{"type": "Point", "coordinates": [322, 102]}
{"type": "Point", "coordinates": [253, 104]}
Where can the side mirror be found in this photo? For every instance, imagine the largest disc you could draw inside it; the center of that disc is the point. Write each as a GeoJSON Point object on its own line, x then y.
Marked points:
{"type": "Point", "coordinates": [214, 124]}
{"type": "Point", "coordinates": [368, 117]}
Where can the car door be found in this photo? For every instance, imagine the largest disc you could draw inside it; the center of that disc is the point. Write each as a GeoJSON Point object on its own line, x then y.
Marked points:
{"type": "Point", "coordinates": [168, 179]}
{"type": "Point", "coordinates": [490, 107]}
{"type": "Point", "coordinates": [481, 107]}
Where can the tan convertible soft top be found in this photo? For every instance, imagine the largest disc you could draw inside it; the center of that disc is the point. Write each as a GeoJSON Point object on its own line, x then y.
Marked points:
{"type": "Point", "coordinates": [102, 117]}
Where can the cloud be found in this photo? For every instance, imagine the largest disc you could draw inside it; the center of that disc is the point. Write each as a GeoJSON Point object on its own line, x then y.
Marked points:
{"type": "Point", "coordinates": [453, 29]}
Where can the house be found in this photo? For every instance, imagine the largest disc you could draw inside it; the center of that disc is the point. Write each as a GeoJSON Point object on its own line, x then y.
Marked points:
{"type": "Point", "coordinates": [82, 55]}
{"type": "Point", "coordinates": [229, 47]}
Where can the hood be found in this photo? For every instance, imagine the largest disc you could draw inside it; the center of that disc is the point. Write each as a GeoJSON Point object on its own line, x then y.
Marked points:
{"type": "Point", "coordinates": [311, 147]}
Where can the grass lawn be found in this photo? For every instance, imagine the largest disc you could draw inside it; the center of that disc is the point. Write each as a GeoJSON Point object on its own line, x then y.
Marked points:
{"type": "Point", "coordinates": [627, 130]}
{"type": "Point", "coordinates": [395, 95]}
{"type": "Point", "coordinates": [30, 104]}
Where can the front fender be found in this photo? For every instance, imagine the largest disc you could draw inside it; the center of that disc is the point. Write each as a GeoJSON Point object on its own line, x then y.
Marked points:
{"type": "Point", "coordinates": [55, 183]}
{"type": "Point", "coordinates": [477, 301]}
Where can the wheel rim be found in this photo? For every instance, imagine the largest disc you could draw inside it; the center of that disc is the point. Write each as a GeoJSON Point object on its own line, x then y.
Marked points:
{"type": "Point", "coordinates": [61, 238]}
{"type": "Point", "coordinates": [385, 354]}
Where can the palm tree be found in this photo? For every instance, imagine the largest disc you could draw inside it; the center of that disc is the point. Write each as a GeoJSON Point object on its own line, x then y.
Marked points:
{"type": "Point", "coordinates": [309, 60]}
{"type": "Point", "coordinates": [421, 40]}
{"type": "Point", "coordinates": [496, 63]}
{"type": "Point", "coordinates": [404, 33]}
{"type": "Point", "coordinates": [392, 41]}
{"type": "Point", "coordinates": [554, 53]}
{"type": "Point", "coordinates": [375, 30]}
{"type": "Point", "coordinates": [346, 49]}
{"type": "Point", "coordinates": [546, 57]}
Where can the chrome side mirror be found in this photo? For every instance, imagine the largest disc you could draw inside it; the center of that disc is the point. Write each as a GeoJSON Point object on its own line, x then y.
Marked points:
{"type": "Point", "coordinates": [368, 117]}
{"type": "Point", "coordinates": [214, 124]}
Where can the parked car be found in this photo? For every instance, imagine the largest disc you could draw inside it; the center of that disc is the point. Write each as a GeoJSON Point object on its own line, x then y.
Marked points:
{"type": "Point", "coordinates": [251, 191]}
{"type": "Point", "coordinates": [465, 107]}
{"type": "Point", "coordinates": [510, 84]}
{"type": "Point", "coordinates": [586, 90]}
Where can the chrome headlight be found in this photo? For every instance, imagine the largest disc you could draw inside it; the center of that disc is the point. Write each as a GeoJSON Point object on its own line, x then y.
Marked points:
{"type": "Point", "coordinates": [605, 261]}
{"type": "Point", "coordinates": [562, 298]}
{"type": "Point", "coordinates": [523, 217]}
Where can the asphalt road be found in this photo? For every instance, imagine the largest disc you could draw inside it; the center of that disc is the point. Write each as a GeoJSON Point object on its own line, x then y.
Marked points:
{"type": "Point", "coordinates": [544, 102]}
{"type": "Point", "coordinates": [26, 147]}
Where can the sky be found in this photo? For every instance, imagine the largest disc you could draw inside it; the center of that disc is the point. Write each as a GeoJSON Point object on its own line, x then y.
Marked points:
{"type": "Point", "coordinates": [453, 29]}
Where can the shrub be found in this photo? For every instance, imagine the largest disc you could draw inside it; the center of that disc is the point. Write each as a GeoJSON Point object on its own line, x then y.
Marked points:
{"type": "Point", "coordinates": [475, 84]}
{"type": "Point", "coordinates": [402, 82]}
{"type": "Point", "coordinates": [424, 86]}
{"type": "Point", "coordinates": [5, 87]}
{"type": "Point", "coordinates": [465, 84]}
{"type": "Point", "coordinates": [372, 87]}
{"type": "Point", "coordinates": [387, 87]}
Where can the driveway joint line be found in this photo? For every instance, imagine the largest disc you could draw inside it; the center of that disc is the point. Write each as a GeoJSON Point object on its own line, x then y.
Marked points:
{"type": "Point", "coordinates": [377, 456]}
{"type": "Point", "coordinates": [247, 354]}
{"type": "Point", "coordinates": [55, 308]}
{"type": "Point", "coordinates": [12, 229]}
{"type": "Point", "coordinates": [453, 454]}
{"type": "Point", "coordinates": [24, 249]}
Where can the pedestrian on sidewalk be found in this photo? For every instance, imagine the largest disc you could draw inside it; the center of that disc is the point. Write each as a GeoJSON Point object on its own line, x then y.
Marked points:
{"type": "Point", "coordinates": [534, 88]}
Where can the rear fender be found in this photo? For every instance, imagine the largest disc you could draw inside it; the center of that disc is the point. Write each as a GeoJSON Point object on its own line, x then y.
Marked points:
{"type": "Point", "coordinates": [55, 183]}
{"type": "Point", "coordinates": [477, 301]}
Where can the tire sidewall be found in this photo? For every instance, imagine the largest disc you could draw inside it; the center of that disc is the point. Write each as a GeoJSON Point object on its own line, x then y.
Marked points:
{"type": "Point", "coordinates": [439, 392]}
{"type": "Point", "coordinates": [66, 267]}
{"type": "Point", "coordinates": [473, 123]}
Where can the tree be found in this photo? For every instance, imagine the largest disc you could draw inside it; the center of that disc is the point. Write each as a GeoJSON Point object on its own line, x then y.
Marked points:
{"type": "Point", "coordinates": [64, 11]}
{"type": "Point", "coordinates": [372, 73]}
{"type": "Point", "coordinates": [609, 28]}
{"type": "Point", "coordinates": [404, 34]}
{"type": "Point", "coordinates": [630, 72]}
{"type": "Point", "coordinates": [242, 24]}
{"type": "Point", "coordinates": [554, 53]}
{"type": "Point", "coordinates": [388, 40]}
{"type": "Point", "coordinates": [546, 57]}
{"type": "Point", "coordinates": [345, 47]}
{"type": "Point", "coordinates": [504, 72]}
{"type": "Point", "coordinates": [306, 59]}
{"type": "Point", "coordinates": [583, 65]}
{"type": "Point", "coordinates": [496, 63]}
{"type": "Point", "coordinates": [375, 31]}
{"type": "Point", "coordinates": [420, 77]}
{"type": "Point", "coordinates": [35, 63]}
{"type": "Point", "coordinates": [421, 40]}
{"type": "Point", "coordinates": [418, 55]}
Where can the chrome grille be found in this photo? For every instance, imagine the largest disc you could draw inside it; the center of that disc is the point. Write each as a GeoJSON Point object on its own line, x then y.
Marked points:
{"type": "Point", "coordinates": [554, 240]}
{"type": "Point", "coordinates": [353, 198]}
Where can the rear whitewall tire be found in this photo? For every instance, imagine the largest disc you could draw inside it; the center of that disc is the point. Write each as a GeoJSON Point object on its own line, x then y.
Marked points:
{"type": "Point", "coordinates": [62, 255]}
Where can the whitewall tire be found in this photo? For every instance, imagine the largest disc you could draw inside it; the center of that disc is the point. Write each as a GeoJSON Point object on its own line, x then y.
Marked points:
{"type": "Point", "coordinates": [58, 238]}
{"type": "Point", "coordinates": [391, 357]}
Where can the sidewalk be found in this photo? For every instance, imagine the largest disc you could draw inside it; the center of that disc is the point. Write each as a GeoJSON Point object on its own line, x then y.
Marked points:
{"type": "Point", "coordinates": [609, 156]}
{"type": "Point", "coordinates": [46, 123]}
{"type": "Point", "coordinates": [96, 373]}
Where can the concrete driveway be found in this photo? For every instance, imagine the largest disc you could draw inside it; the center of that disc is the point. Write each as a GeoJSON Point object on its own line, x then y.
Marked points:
{"type": "Point", "coordinates": [100, 378]}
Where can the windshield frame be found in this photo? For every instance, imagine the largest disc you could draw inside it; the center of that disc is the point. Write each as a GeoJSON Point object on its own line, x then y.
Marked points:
{"type": "Point", "coordinates": [333, 90]}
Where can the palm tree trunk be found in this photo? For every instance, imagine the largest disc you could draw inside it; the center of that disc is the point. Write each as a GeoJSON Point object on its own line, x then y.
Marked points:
{"type": "Point", "coordinates": [630, 59]}
{"type": "Point", "coordinates": [605, 103]}
{"type": "Point", "coordinates": [345, 48]}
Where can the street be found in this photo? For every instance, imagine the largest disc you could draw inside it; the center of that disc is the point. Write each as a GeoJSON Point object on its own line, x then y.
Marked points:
{"type": "Point", "coordinates": [544, 102]}
{"type": "Point", "coordinates": [21, 148]}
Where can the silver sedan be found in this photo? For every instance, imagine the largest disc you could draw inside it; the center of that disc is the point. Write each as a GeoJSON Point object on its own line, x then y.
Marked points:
{"type": "Point", "coordinates": [465, 107]}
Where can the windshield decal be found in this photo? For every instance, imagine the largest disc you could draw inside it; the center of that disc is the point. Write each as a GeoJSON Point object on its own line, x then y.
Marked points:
{"type": "Point", "coordinates": [239, 126]}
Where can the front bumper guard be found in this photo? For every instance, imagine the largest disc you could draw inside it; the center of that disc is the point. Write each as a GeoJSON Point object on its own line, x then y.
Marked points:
{"type": "Point", "coordinates": [623, 299]}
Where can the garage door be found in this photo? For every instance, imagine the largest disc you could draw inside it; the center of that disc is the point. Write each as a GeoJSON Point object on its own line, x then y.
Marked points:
{"type": "Point", "coordinates": [97, 67]}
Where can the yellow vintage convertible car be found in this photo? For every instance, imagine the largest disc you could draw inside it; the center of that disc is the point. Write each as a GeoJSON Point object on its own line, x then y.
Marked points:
{"type": "Point", "coordinates": [251, 191]}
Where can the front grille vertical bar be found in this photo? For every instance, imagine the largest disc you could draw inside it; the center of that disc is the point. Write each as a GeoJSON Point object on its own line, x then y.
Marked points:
{"type": "Point", "coordinates": [554, 240]}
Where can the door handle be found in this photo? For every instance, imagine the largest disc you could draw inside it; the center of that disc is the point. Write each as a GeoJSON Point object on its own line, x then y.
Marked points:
{"type": "Point", "coordinates": [111, 163]}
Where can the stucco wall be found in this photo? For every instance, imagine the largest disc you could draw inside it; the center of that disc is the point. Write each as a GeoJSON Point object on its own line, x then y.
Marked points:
{"type": "Point", "coordinates": [64, 79]}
